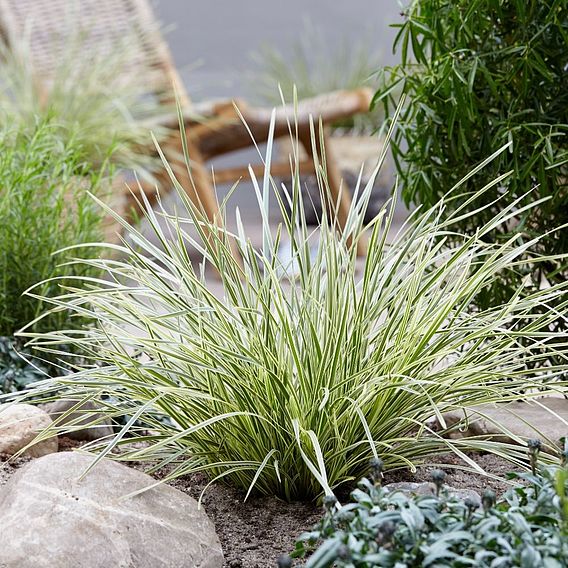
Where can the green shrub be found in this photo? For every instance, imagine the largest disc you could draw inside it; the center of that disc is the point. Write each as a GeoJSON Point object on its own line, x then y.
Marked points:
{"type": "Point", "coordinates": [528, 528]}
{"type": "Point", "coordinates": [479, 73]}
{"type": "Point", "coordinates": [44, 207]}
{"type": "Point", "coordinates": [303, 369]}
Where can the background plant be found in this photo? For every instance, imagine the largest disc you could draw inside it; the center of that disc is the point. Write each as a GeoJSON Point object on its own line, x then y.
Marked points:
{"type": "Point", "coordinates": [317, 66]}
{"type": "Point", "coordinates": [300, 372]}
{"type": "Point", "coordinates": [385, 528]}
{"type": "Point", "coordinates": [478, 74]}
{"type": "Point", "coordinates": [18, 369]}
{"type": "Point", "coordinates": [44, 207]}
{"type": "Point", "coordinates": [100, 97]}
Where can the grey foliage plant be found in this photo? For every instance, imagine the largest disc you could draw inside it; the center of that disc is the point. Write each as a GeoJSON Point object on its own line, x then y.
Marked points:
{"type": "Point", "coordinates": [527, 527]}
{"type": "Point", "coordinates": [17, 371]}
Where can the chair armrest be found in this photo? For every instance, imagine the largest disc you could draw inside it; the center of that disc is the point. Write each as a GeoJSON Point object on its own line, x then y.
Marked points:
{"type": "Point", "coordinates": [330, 107]}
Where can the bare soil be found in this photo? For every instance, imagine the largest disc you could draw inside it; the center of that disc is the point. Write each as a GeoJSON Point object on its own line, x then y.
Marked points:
{"type": "Point", "coordinates": [9, 467]}
{"type": "Point", "coordinates": [256, 532]}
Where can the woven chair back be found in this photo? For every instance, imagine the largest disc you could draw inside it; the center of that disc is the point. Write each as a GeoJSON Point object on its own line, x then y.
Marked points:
{"type": "Point", "coordinates": [49, 29]}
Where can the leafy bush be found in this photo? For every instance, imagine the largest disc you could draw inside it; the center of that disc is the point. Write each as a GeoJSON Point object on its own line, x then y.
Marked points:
{"type": "Point", "coordinates": [529, 527]}
{"type": "Point", "coordinates": [300, 372]}
{"type": "Point", "coordinates": [44, 207]}
{"type": "Point", "coordinates": [478, 74]}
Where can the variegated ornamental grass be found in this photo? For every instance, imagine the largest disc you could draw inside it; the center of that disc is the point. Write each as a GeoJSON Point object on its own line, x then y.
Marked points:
{"type": "Point", "coordinates": [302, 372]}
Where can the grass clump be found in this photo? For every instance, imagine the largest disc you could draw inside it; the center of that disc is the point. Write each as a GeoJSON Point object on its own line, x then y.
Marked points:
{"type": "Point", "coordinates": [302, 371]}
{"type": "Point", "coordinates": [315, 66]}
{"type": "Point", "coordinates": [98, 96]}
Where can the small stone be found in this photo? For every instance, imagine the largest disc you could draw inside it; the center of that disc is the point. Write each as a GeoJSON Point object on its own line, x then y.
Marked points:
{"type": "Point", "coordinates": [544, 418]}
{"type": "Point", "coordinates": [19, 426]}
{"type": "Point", "coordinates": [53, 517]}
{"type": "Point", "coordinates": [426, 488]}
{"type": "Point", "coordinates": [87, 414]}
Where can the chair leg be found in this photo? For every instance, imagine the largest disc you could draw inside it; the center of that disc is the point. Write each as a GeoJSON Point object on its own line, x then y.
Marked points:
{"type": "Point", "coordinates": [339, 201]}
{"type": "Point", "coordinates": [196, 183]}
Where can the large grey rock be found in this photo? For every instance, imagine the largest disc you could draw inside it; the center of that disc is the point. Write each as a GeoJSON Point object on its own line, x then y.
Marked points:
{"type": "Point", "coordinates": [50, 518]}
{"type": "Point", "coordinates": [84, 423]}
{"type": "Point", "coordinates": [19, 425]}
{"type": "Point", "coordinates": [545, 418]}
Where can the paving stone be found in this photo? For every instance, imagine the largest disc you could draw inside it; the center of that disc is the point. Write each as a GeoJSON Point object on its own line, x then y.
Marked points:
{"type": "Point", "coordinates": [543, 418]}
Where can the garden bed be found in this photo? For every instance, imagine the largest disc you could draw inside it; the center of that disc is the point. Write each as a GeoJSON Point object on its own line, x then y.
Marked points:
{"type": "Point", "coordinates": [255, 533]}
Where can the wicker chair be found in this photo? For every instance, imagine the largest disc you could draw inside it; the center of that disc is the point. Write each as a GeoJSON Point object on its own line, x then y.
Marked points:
{"type": "Point", "coordinates": [221, 132]}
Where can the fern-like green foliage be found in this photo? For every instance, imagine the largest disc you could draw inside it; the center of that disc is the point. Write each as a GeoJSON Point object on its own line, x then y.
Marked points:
{"type": "Point", "coordinates": [44, 207]}
{"type": "Point", "coordinates": [477, 74]}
